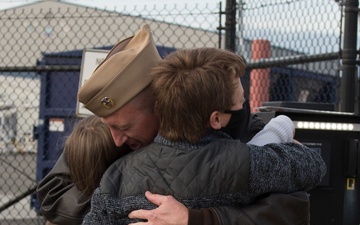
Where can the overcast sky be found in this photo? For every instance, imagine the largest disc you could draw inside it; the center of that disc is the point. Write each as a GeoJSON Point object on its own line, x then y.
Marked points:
{"type": "Point", "coordinates": [315, 19]}
{"type": "Point", "coordinates": [110, 4]}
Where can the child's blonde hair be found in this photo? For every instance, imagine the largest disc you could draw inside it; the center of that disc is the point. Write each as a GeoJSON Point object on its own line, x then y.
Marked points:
{"type": "Point", "coordinates": [89, 151]}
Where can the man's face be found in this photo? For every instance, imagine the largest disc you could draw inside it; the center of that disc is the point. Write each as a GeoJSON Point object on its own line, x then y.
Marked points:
{"type": "Point", "coordinates": [132, 126]}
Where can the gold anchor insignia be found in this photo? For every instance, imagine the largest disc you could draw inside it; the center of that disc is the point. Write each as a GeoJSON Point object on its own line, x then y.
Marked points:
{"type": "Point", "coordinates": [107, 102]}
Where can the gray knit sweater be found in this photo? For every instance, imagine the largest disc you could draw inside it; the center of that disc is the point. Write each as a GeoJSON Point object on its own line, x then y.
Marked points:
{"type": "Point", "coordinates": [217, 171]}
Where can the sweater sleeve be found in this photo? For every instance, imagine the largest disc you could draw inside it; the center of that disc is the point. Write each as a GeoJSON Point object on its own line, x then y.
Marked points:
{"type": "Point", "coordinates": [279, 130]}
{"type": "Point", "coordinates": [98, 213]}
{"type": "Point", "coordinates": [284, 168]}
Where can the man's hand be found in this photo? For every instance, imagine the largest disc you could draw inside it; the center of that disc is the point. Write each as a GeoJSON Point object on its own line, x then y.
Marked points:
{"type": "Point", "coordinates": [169, 212]}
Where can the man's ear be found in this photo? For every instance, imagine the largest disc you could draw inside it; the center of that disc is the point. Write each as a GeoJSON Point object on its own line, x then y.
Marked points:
{"type": "Point", "coordinates": [215, 120]}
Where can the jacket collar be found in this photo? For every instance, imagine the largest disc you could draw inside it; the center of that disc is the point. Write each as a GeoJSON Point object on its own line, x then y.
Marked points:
{"type": "Point", "coordinates": [212, 135]}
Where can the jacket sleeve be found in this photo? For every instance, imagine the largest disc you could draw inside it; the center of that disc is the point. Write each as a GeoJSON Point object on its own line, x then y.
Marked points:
{"type": "Point", "coordinates": [275, 209]}
{"type": "Point", "coordinates": [60, 200]}
{"type": "Point", "coordinates": [251, 128]}
{"type": "Point", "coordinates": [207, 216]}
{"type": "Point", "coordinates": [284, 168]}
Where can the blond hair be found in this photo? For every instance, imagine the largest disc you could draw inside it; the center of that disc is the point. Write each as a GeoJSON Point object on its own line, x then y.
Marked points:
{"type": "Point", "coordinates": [89, 151]}
{"type": "Point", "coordinates": [189, 85]}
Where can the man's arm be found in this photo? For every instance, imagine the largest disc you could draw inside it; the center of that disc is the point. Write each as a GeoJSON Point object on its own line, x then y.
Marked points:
{"type": "Point", "coordinates": [60, 200]}
{"type": "Point", "coordinates": [275, 209]}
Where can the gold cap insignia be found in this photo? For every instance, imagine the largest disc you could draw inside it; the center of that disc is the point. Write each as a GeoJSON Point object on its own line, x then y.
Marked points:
{"type": "Point", "coordinates": [107, 102]}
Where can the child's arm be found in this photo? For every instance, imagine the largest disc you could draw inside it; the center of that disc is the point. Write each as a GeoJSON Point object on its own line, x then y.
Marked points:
{"type": "Point", "coordinates": [284, 168]}
{"type": "Point", "coordinates": [279, 130]}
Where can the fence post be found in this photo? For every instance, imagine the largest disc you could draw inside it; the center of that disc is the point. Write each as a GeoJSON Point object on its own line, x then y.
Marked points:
{"type": "Point", "coordinates": [349, 53]}
{"type": "Point", "coordinates": [230, 25]}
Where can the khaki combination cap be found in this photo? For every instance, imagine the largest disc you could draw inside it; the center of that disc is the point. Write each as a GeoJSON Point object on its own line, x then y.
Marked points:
{"type": "Point", "coordinates": [122, 75]}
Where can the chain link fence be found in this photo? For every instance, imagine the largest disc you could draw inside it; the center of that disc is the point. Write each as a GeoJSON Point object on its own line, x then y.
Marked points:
{"type": "Point", "coordinates": [292, 50]}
